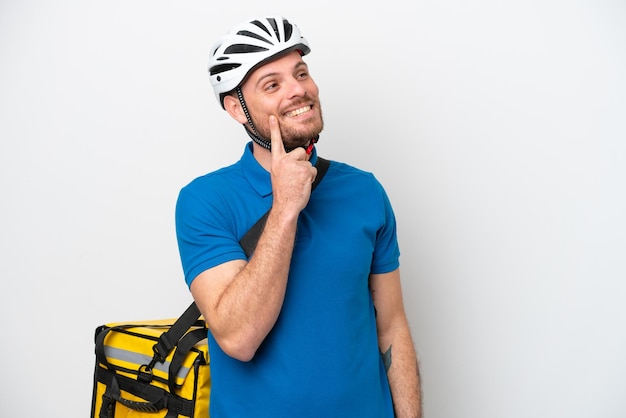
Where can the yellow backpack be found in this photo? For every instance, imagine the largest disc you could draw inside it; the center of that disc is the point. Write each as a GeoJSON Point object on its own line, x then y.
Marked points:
{"type": "Point", "coordinates": [152, 369]}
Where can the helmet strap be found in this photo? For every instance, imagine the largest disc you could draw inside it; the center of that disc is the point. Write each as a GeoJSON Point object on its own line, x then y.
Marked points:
{"type": "Point", "coordinates": [252, 132]}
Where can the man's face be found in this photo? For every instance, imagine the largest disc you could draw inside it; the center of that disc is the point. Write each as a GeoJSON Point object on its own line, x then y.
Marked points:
{"type": "Point", "coordinates": [284, 88]}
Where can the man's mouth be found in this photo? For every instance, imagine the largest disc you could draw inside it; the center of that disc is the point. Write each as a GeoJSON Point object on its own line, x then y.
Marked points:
{"type": "Point", "coordinates": [298, 112]}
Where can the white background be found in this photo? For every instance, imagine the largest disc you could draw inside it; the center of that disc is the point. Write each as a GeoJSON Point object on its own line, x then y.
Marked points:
{"type": "Point", "coordinates": [498, 129]}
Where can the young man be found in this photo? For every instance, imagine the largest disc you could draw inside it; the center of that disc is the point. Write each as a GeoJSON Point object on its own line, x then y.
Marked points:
{"type": "Point", "coordinates": [298, 328]}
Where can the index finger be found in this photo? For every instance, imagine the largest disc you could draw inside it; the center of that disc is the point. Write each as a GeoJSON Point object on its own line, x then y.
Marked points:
{"type": "Point", "coordinates": [278, 148]}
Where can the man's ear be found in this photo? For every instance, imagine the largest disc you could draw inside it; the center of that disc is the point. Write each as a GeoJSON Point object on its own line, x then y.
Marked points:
{"type": "Point", "coordinates": [233, 107]}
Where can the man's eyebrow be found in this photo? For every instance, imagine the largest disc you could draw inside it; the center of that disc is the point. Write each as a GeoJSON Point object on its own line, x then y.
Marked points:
{"type": "Point", "coordinates": [264, 76]}
{"type": "Point", "coordinates": [300, 64]}
{"type": "Point", "coordinates": [274, 73]}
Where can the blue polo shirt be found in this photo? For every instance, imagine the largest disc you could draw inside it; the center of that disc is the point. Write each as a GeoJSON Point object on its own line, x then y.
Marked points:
{"type": "Point", "coordinates": [321, 359]}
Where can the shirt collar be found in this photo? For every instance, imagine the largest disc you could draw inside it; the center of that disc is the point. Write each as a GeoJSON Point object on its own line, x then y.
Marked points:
{"type": "Point", "coordinates": [257, 176]}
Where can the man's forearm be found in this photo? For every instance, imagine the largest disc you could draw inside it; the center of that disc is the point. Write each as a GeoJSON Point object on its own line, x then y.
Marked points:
{"type": "Point", "coordinates": [404, 378]}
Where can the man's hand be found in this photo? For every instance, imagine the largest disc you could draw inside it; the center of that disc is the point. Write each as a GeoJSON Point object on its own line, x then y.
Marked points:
{"type": "Point", "coordinates": [292, 174]}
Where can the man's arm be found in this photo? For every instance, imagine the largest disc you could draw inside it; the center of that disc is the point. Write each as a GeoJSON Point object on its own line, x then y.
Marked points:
{"type": "Point", "coordinates": [240, 300]}
{"type": "Point", "coordinates": [394, 339]}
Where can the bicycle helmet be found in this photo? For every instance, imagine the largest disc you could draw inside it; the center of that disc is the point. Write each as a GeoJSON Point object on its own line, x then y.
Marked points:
{"type": "Point", "coordinates": [248, 46]}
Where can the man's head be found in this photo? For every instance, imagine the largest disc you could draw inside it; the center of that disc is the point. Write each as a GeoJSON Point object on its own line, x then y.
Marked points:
{"type": "Point", "coordinates": [257, 70]}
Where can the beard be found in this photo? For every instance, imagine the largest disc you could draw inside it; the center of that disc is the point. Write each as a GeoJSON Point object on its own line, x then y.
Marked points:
{"type": "Point", "coordinates": [293, 134]}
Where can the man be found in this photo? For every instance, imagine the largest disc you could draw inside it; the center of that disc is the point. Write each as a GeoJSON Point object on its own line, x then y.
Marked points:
{"type": "Point", "coordinates": [296, 330]}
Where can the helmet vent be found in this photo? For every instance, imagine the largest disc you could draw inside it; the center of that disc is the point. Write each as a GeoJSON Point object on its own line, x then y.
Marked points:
{"type": "Point", "coordinates": [260, 26]}
{"type": "Point", "coordinates": [288, 30]}
{"type": "Point", "coordinates": [253, 35]}
{"type": "Point", "coordinates": [217, 69]}
{"type": "Point", "coordinates": [274, 26]}
{"type": "Point", "coordinates": [244, 49]}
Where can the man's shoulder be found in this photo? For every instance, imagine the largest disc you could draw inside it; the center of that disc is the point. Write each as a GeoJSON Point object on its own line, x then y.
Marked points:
{"type": "Point", "coordinates": [346, 172]}
{"type": "Point", "coordinates": [215, 178]}
{"type": "Point", "coordinates": [211, 189]}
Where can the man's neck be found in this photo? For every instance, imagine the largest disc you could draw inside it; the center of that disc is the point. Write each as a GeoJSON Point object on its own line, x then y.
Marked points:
{"type": "Point", "coordinates": [262, 155]}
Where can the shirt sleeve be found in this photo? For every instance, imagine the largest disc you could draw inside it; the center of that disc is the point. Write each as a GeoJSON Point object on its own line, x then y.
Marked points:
{"type": "Point", "coordinates": [205, 236]}
{"type": "Point", "coordinates": [386, 252]}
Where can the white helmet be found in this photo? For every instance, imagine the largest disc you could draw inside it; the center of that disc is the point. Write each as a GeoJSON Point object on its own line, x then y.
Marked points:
{"type": "Point", "coordinates": [249, 45]}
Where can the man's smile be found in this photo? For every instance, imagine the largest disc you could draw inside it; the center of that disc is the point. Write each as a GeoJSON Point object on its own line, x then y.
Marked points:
{"type": "Point", "coordinates": [298, 112]}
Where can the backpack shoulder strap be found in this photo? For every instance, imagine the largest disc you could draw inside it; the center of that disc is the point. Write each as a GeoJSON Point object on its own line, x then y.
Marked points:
{"type": "Point", "coordinates": [248, 242]}
{"type": "Point", "coordinates": [169, 339]}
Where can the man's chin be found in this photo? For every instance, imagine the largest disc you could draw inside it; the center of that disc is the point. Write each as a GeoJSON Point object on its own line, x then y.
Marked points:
{"type": "Point", "coordinates": [296, 144]}
{"type": "Point", "coordinates": [295, 139]}
{"type": "Point", "coordinates": [302, 141]}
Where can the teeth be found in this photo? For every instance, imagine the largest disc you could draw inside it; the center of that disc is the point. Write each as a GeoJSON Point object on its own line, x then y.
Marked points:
{"type": "Point", "coordinates": [298, 111]}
